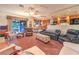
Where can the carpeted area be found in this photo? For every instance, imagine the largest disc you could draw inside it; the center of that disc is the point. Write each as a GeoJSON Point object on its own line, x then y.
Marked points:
{"type": "Point", "coordinates": [51, 48]}
{"type": "Point", "coordinates": [33, 50]}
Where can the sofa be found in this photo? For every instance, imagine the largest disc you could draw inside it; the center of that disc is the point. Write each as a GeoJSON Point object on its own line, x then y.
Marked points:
{"type": "Point", "coordinates": [69, 49]}
{"type": "Point", "coordinates": [53, 35]}
{"type": "Point", "coordinates": [72, 35]}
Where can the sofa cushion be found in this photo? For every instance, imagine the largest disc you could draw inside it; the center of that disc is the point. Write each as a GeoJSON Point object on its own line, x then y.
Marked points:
{"type": "Point", "coordinates": [73, 31]}
{"type": "Point", "coordinates": [69, 35]}
{"type": "Point", "coordinates": [78, 36]}
{"type": "Point", "coordinates": [63, 38]}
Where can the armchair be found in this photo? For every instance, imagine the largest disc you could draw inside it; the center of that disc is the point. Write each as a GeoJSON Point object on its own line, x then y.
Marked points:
{"type": "Point", "coordinates": [53, 35]}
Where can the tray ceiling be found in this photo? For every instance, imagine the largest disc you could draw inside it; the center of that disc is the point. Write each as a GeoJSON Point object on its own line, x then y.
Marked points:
{"type": "Point", "coordinates": [44, 9]}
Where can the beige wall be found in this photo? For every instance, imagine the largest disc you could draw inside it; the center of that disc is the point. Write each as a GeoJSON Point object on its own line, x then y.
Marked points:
{"type": "Point", "coordinates": [3, 20]}
{"type": "Point", "coordinates": [30, 22]}
{"type": "Point", "coordinates": [63, 27]}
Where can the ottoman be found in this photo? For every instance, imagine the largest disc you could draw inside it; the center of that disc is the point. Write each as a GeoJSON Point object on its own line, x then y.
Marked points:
{"type": "Point", "coordinates": [42, 37]}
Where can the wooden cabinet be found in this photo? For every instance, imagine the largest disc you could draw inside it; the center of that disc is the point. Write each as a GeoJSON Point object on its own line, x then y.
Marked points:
{"type": "Point", "coordinates": [59, 20]}
{"type": "Point", "coordinates": [41, 24]}
{"type": "Point", "coordinates": [29, 32]}
{"type": "Point", "coordinates": [66, 19]}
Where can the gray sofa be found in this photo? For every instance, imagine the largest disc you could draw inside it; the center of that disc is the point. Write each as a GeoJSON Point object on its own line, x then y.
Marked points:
{"type": "Point", "coordinates": [72, 35]}
{"type": "Point", "coordinates": [53, 35]}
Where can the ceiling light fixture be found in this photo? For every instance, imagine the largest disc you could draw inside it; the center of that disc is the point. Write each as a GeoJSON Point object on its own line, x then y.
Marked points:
{"type": "Point", "coordinates": [32, 12]}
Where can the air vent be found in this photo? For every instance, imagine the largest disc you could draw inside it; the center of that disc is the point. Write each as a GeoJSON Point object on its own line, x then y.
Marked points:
{"type": "Point", "coordinates": [20, 5]}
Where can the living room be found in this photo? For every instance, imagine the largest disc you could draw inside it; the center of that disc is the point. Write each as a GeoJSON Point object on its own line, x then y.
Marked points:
{"type": "Point", "coordinates": [39, 29]}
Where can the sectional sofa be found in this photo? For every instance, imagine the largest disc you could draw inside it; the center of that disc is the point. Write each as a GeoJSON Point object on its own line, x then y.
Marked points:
{"type": "Point", "coordinates": [70, 40]}
{"type": "Point", "coordinates": [72, 35]}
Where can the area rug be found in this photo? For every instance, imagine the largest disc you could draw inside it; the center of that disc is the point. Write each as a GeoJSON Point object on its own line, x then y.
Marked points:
{"type": "Point", "coordinates": [33, 51]}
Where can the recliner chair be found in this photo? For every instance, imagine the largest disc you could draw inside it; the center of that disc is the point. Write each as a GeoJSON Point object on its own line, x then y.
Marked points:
{"type": "Point", "coordinates": [53, 35]}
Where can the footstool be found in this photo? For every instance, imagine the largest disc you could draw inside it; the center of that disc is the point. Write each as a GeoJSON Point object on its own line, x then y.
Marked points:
{"type": "Point", "coordinates": [42, 37]}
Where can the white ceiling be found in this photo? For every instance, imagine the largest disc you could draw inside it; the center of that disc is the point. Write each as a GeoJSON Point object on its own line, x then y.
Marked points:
{"type": "Point", "coordinates": [44, 9]}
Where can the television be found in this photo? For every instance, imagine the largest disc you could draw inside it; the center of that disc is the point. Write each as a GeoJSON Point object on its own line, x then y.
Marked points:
{"type": "Point", "coordinates": [74, 21]}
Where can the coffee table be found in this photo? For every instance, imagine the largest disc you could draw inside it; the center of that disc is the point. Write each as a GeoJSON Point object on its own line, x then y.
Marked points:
{"type": "Point", "coordinates": [42, 37]}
